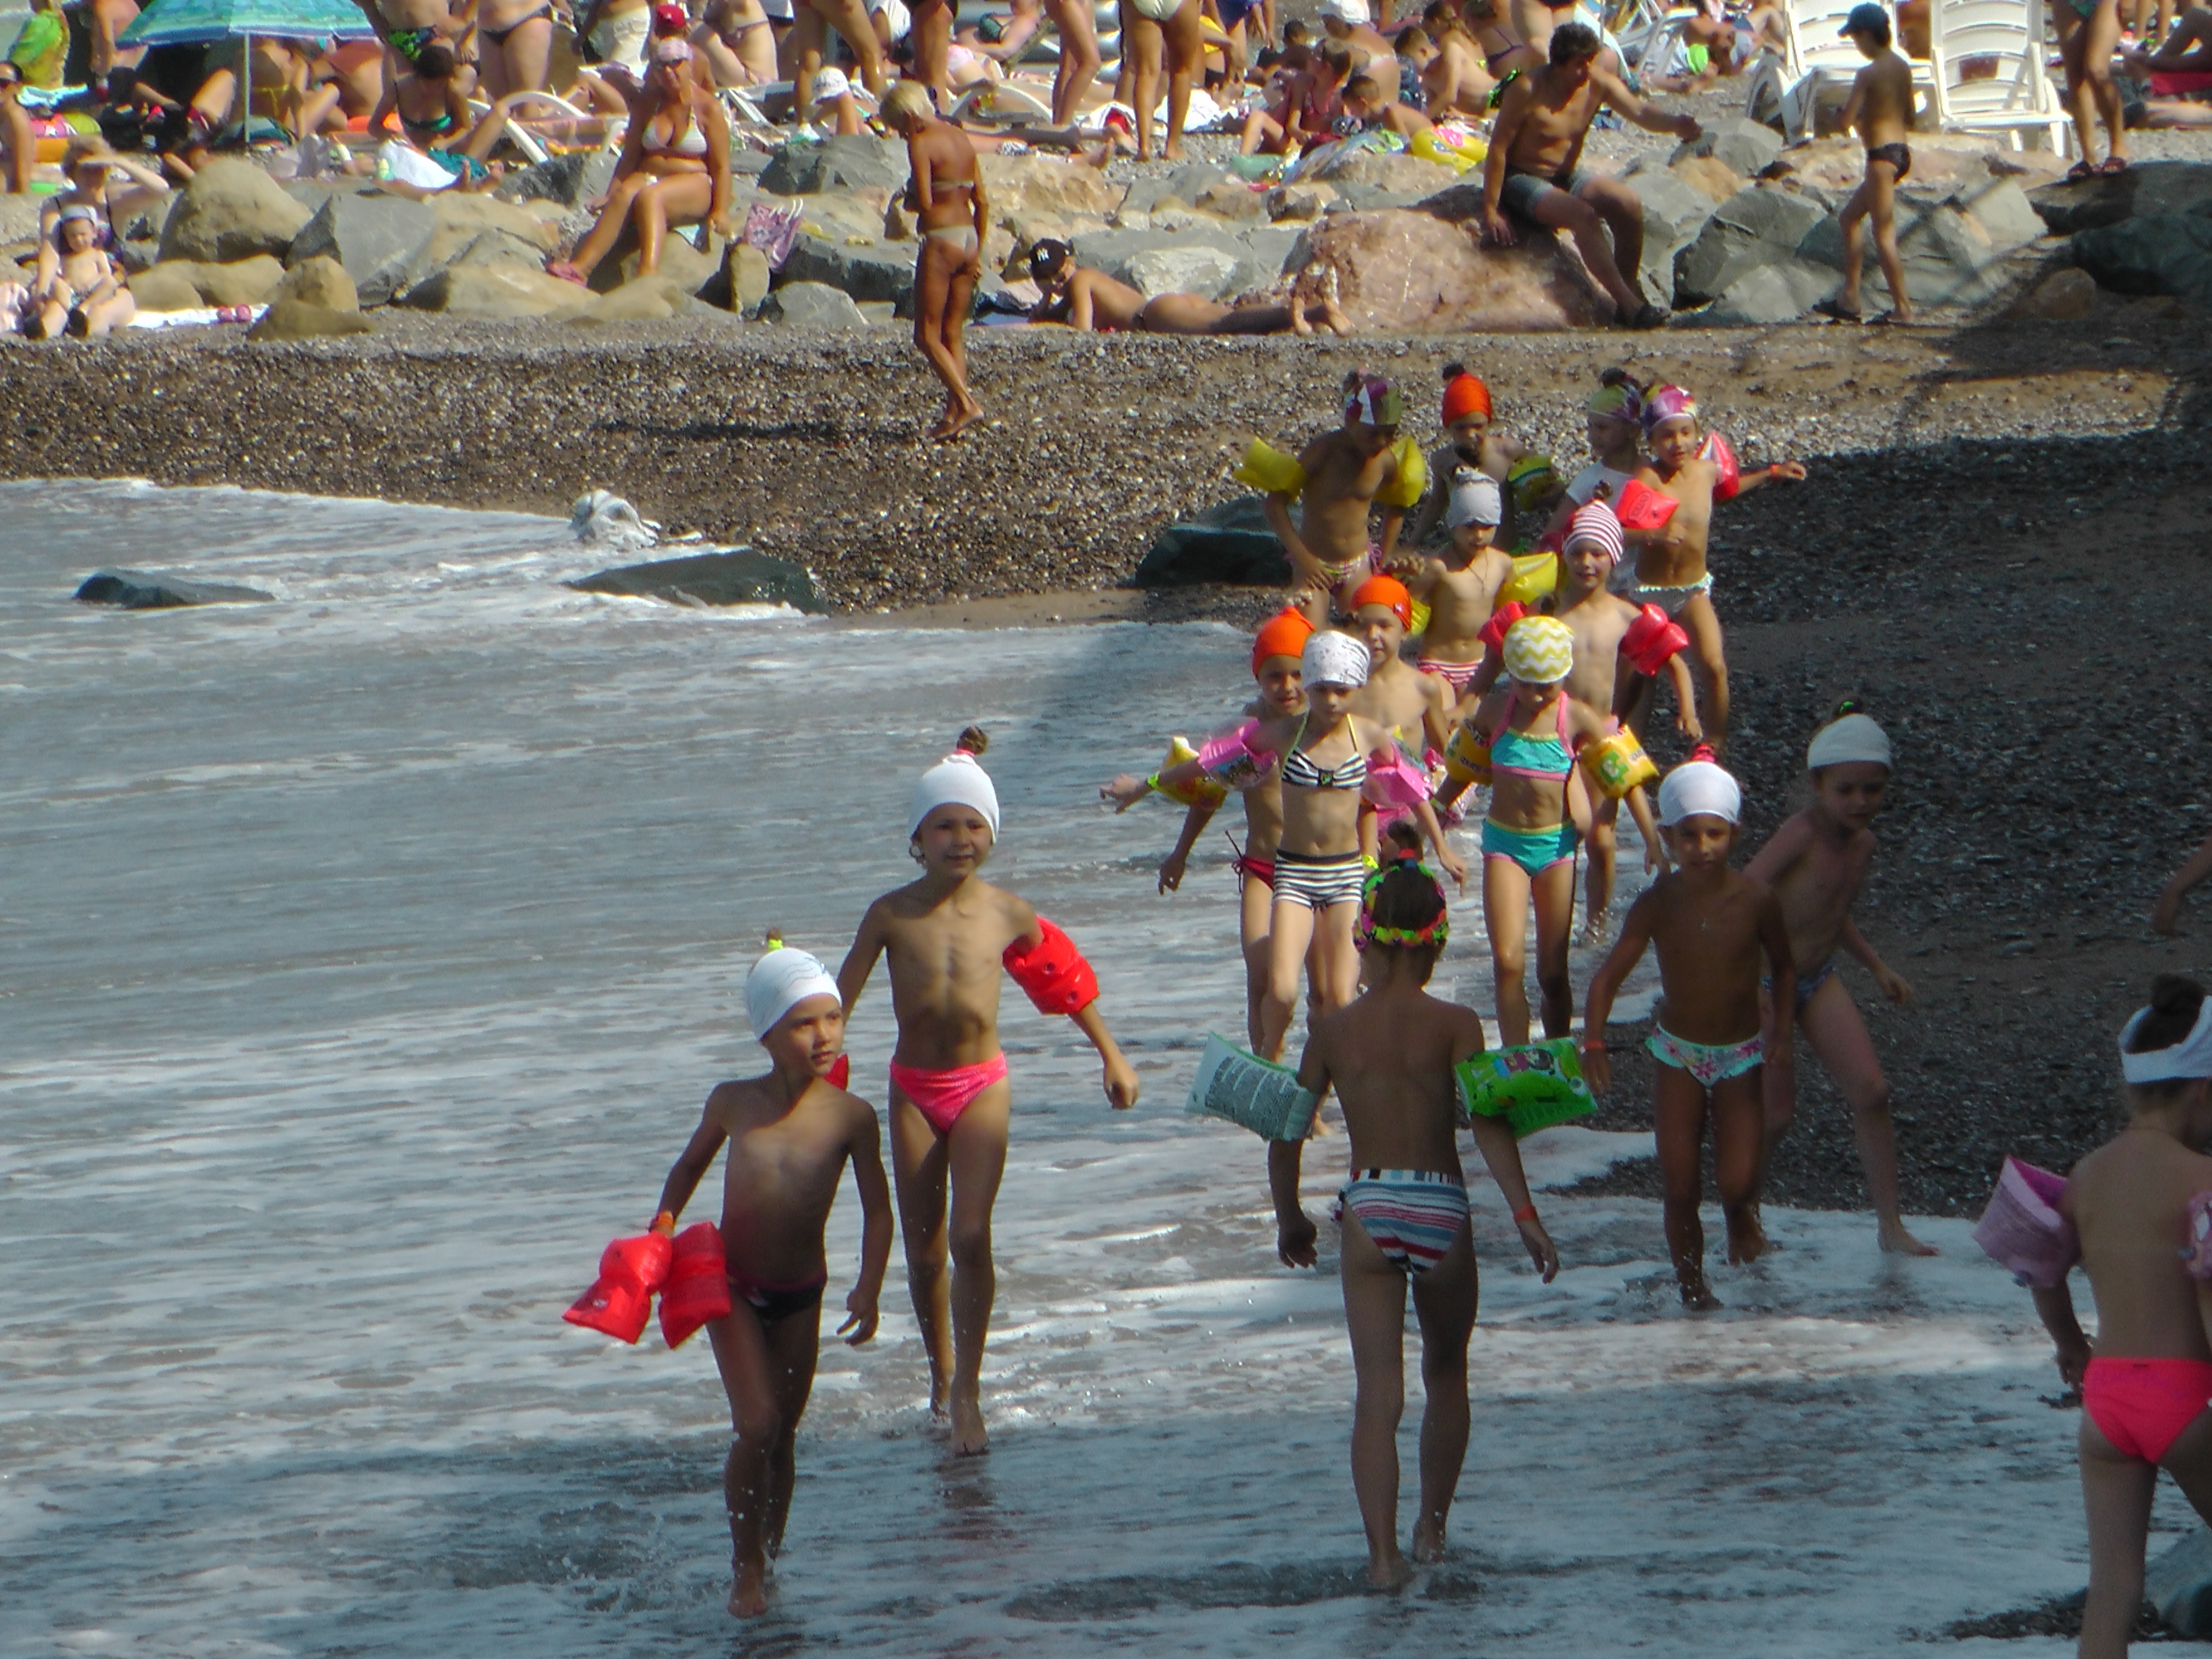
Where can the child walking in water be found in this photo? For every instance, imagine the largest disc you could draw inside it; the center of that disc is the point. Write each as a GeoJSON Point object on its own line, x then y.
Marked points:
{"type": "Point", "coordinates": [1460, 586]}
{"type": "Point", "coordinates": [948, 933]}
{"type": "Point", "coordinates": [1712, 925]}
{"type": "Point", "coordinates": [1390, 1057]}
{"type": "Point", "coordinates": [791, 1134]}
{"type": "Point", "coordinates": [1816, 863]}
{"type": "Point", "coordinates": [1337, 481]}
{"type": "Point", "coordinates": [2144, 1388]}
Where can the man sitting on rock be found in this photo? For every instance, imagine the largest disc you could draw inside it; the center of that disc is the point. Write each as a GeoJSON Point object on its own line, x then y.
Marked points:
{"type": "Point", "coordinates": [1533, 174]}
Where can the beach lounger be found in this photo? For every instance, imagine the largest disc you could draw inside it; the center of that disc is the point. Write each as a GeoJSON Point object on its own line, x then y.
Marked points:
{"type": "Point", "coordinates": [1820, 62]}
{"type": "Point", "coordinates": [1989, 77]}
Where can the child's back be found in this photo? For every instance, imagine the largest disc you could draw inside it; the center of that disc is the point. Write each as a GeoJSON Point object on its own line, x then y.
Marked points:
{"type": "Point", "coordinates": [1886, 113]}
{"type": "Point", "coordinates": [2128, 1202]}
{"type": "Point", "coordinates": [1390, 1057]}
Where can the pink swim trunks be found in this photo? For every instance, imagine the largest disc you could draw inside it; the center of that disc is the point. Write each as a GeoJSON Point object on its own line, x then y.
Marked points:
{"type": "Point", "coordinates": [942, 1095]}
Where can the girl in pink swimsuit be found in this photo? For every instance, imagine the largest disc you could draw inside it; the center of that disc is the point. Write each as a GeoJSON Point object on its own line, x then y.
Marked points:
{"type": "Point", "coordinates": [949, 935]}
{"type": "Point", "coordinates": [2138, 1204]}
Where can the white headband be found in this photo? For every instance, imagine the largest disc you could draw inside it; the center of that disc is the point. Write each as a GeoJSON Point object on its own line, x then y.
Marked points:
{"type": "Point", "coordinates": [1853, 738]}
{"type": "Point", "coordinates": [2192, 1057]}
{"type": "Point", "coordinates": [779, 982]}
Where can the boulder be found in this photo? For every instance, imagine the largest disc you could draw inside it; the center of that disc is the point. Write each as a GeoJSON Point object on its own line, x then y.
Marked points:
{"type": "Point", "coordinates": [2148, 187]}
{"type": "Point", "coordinates": [2063, 296]}
{"type": "Point", "coordinates": [812, 306]}
{"type": "Point", "coordinates": [166, 287]}
{"type": "Point", "coordinates": [241, 282]}
{"type": "Point", "coordinates": [289, 319]}
{"type": "Point", "coordinates": [1755, 227]}
{"type": "Point", "coordinates": [377, 239]}
{"type": "Point", "coordinates": [745, 275]}
{"type": "Point", "coordinates": [2159, 253]}
{"type": "Point", "coordinates": [496, 292]}
{"type": "Point", "coordinates": [143, 590]}
{"type": "Point", "coordinates": [1417, 273]}
{"type": "Point", "coordinates": [2178, 1584]}
{"type": "Point", "coordinates": [1708, 175]}
{"type": "Point", "coordinates": [321, 281]}
{"type": "Point", "coordinates": [1379, 171]}
{"type": "Point", "coordinates": [1300, 202]}
{"type": "Point", "coordinates": [1114, 251]}
{"type": "Point", "coordinates": [862, 270]}
{"type": "Point", "coordinates": [647, 299]}
{"type": "Point", "coordinates": [1230, 543]}
{"type": "Point", "coordinates": [231, 211]}
{"type": "Point", "coordinates": [1045, 183]}
{"type": "Point", "coordinates": [1778, 293]}
{"type": "Point", "coordinates": [806, 169]}
{"type": "Point", "coordinates": [1205, 271]}
{"type": "Point", "coordinates": [1954, 250]}
{"type": "Point", "coordinates": [738, 576]}
{"type": "Point", "coordinates": [557, 179]}
{"type": "Point", "coordinates": [680, 262]}
{"type": "Point", "coordinates": [1742, 144]}
{"type": "Point", "coordinates": [837, 213]}
{"type": "Point", "coordinates": [1674, 212]}
{"type": "Point", "coordinates": [1184, 185]}
{"type": "Point", "coordinates": [489, 247]}
{"type": "Point", "coordinates": [460, 215]}
{"type": "Point", "coordinates": [1236, 199]}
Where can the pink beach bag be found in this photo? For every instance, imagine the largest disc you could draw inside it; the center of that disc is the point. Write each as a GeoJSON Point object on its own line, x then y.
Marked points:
{"type": "Point", "coordinates": [2022, 1231]}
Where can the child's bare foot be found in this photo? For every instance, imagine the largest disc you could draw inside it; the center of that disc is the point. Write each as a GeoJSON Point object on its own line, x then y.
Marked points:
{"type": "Point", "coordinates": [970, 1437]}
{"type": "Point", "coordinates": [1428, 1539]}
{"type": "Point", "coordinates": [749, 1595]}
{"type": "Point", "coordinates": [1391, 1571]}
{"type": "Point", "coordinates": [1332, 302]}
{"type": "Point", "coordinates": [1697, 1296]}
{"type": "Point", "coordinates": [1747, 1239]}
{"type": "Point", "coordinates": [961, 421]}
{"type": "Point", "coordinates": [1898, 1241]}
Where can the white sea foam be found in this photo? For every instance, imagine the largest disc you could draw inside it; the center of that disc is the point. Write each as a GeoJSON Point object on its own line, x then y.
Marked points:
{"type": "Point", "coordinates": [365, 958]}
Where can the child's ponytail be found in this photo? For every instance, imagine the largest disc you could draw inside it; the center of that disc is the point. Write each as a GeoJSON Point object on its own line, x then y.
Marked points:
{"type": "Point", "coordinates": [972, 740]}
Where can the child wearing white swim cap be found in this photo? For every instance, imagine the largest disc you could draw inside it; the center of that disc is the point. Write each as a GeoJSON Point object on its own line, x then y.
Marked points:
{"type": "Point", "coordinates": [1816, 863]}
{"type": "Point", "coordinates": [1713, 926]}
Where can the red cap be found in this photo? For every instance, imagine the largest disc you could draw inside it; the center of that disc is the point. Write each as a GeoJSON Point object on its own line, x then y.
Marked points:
{"type": "Point", "coordinates": [669, 18]}
{"type": "Point", "coordinates": [1283, 634]}
{"type": "Point", "coordinates": [1464, 395]}
{"type": "Point", "coordinates": [1385, 590]}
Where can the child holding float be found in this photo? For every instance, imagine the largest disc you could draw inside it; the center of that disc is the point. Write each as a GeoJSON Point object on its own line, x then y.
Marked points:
{"type": "Point", "coordinates": [1390, 1057]}
{"type": "Point", "coordinates": [1816, 863]}
{"type": "Point", "coordinates": [755, 1283]}
{"type": "Point", "coordinates": [1712, 925]}
{"type": "Point", "coordinates": [2136, 1213]}
{"type": "Point", "coordinates": [947, 935]}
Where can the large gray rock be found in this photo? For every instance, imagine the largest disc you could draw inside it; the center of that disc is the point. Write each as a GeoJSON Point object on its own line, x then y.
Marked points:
{"type": "Point", "coordinates": [557, 179]}
{"type": "Point", "coordinates": [1267, 252]}
{"type": "Point", "coordinates": [2148, 187]}
{"type": "Point", "coordinates": [866, 270]}
{"type": "Point", "coordinates": [2178, 1584]}
{"type": "Point", "coordinates": [377, 239]}
{"type": "Point", "coordinates": [1185, 185]}
{"type": "Point", "coordinates": [1745, 145]}
{"type": "Point", "coordinates": [2160, 254]}
{"type": "Point", "coordinates": [319, 282]}
{"type": "Point", "coordinates": [1954, 250]}
{"type": "Point", "coordinates": [288, 319]}
{"type": "Point", "coordinates": [1753, 228]}
{"type": "Point", "coordinates": [745, 278]}
{"type": "Point", "coordinates": [231, 211]}
{"type": "Point", "coordinates": [738, 576]}
{"type": "Point", "coordinates": [1674, 212]}
{"type": "Point", "coordinates": [1205, 271]}
{"type": "Point", "coordinates": [839, 163]}
{"type": "Point", "coordinates": [498, 292]}
{"type": "Point", "coordinates": [144, 590]}
{"type": "Point", "coordinates": [1230, 543]}
{"type": "Point", "coordinates": [1778, 293]}
{"type": "Point", "coordinates": [812, 306]}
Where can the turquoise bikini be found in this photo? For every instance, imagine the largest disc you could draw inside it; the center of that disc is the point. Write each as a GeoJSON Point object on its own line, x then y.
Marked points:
{"type": "Point", "coordinates": [1523, 755]}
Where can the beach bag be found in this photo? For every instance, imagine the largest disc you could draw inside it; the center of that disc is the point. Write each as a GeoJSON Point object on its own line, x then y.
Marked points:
{"type": "Point", "coordinates": [2021, 1229]}
{"type": "Point", "coordinates": [1252, 1093]}
{"type": "Point", "coordinates": [1532, 1087]}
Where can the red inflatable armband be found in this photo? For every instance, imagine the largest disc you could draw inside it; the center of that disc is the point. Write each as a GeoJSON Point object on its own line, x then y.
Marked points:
{"type": "Point", "coordinates": [1493, 631]}
{"type": "Point", "coordinates": [841, 1074]}
{"type": "Point", "coordinates": [698, 1287]}
{"type": "Point", "coordinates": [1054, 973]}
{"type": "Point", "coordinates": [1716, 451]}
{"type": "Point", "coordinates": [1652, 639]}
{"type": "Point", "coordinates": [1643, 508]}
{"type": "Point", "coordinates": [620, 1300]}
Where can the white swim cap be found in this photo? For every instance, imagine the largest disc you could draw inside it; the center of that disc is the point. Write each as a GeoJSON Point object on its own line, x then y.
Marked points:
{"type": "Point", "coordinates": [959, 781]}
{"type": "Point", "coordinates": [1475, 499]}
{"type": "Point", "coordinates": [779, 982]}
{"type": "Point", "coordinates": [1699, 788]}
{"type": "Point", "coordinates": [1853, 738]}
{"type": "Point", "coordinates": [1334, 659]}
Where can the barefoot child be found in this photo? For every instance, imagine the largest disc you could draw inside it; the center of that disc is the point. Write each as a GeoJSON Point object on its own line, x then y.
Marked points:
{"type": "Point", "coordinates": [1881, 108]}
{"type": "Point", "coordinates": [1469, 441]}
{"type": "Point", "coordinates": [1614, 418]}
{"type": "Point", "coordinates": [1412, 707]}
{"type": "Point", "coordinates": [1390, 1057]}
{"type": "Point", "coordinates": [791, 1133]}
{"type": "Point", "coordinates": [1712, 925]}
{"type": "Point", "coordinates": [948, 934]}
{"type": "Point", "coordinates": [1670, 561]}
{"type": "Point", "coordinates": [947, 194]}
{"type": "Point", "coordinates": [1816, 863]}
{"type": "Point", "coordinates": [2144, 1388]}
{"type": "Point", "coordinates": [1460, 586]}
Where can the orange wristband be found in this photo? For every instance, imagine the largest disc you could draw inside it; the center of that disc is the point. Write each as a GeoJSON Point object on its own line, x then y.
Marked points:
{"type": "Point", "coordinates": [666, 1216]}
{"type": "Point", "coordinates": [1526, 1212]}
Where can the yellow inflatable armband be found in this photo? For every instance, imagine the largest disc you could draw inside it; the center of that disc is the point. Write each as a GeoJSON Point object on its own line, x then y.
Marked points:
{"type": "Point", "coordinates": [1421, 614]}
{"type": "Point", "coordinates": [1458, 158]}
{"type": "Point", "coordinates": [1466, 756]}
{"type": "Point", "coordinates": [1616, 763]}
{"type": "Point", "coordinates": [1201, 791]}
{"type": "Point", "coordinates": [1534, 575]}
{"type": "Point", "coordinates": [1412, 480]}
{"type": "Point", "coordinates": [1266, 468]}
{"type": "Point", "coordinates": [1529, 480]}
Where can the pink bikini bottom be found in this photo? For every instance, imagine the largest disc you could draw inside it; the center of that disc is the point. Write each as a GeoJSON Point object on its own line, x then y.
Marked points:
{"type": "Point", "coordinates": [942, 1095]}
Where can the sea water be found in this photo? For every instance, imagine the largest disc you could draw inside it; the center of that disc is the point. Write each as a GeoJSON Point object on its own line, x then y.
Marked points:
{"type": "Point", "coordinates": [364, 957]}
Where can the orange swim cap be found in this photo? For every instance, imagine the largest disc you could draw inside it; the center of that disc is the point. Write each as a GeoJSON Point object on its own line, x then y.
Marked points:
{"type": "Point", "coordinates": [1283, 634]}
{"type": "Point", "coordinates": [1387, 591]}
{"type": "Point", "coordinates": [1464, 395]}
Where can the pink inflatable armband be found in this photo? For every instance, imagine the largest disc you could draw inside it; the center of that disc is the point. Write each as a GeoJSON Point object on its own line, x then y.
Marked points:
{"type": "Point", "coordinates": [620, 1300]}
{"type": "Point", "coordinates": [1643, 508]}
{"type": "Point", "coordinates": [2197, 1252]}
{"type": "Point", "coordinates": [2022, 1230]}
{"type": "Point", "coordinates": [698, 1287]}
{"type": "Point", "coordinates": [1716, 451]}
{"type": "Point", "coordinates": [1053, 971]}
{"type": "Point", "coordinates": [841, 1074]}
{"type": "Point", "coordinates": [1231, 762]}
{"type": "Point", "coordinates": [1394, 782]}
{"type": "Point", "coordinates": [1652, 639]}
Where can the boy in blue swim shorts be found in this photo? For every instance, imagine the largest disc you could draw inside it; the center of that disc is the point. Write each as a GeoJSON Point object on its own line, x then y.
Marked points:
{"type": "Point", "coordinates": [1713, 927]}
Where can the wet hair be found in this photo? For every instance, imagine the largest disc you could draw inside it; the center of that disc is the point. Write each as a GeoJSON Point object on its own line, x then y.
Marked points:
{"type": "Point", "coordinates": [1366, 89]}
{"type": "Point", "coordinates": [435, 61]}
{"type": "Point", "coordinates": [972, 740]}
{"type": "Point", "coordinates": [1338, 57]}
{"type": "Point", "coordinates": [2175, 1003]}
{"type": "Point", "coordinates": [1296, 33]}
{"type": "Point", "coordinates": [1571, 43]}
{"type": "Point", "coordinates": [1411, 38]}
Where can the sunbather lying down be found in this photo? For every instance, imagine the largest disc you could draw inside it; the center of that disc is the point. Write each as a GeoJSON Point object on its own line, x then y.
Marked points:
{"type": "Point", "coordinates": [1096, 303]}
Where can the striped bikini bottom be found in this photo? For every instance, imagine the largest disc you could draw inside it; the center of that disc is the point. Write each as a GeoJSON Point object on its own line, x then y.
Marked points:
{"type": "Point", "coordinates": [1412, 1215]}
